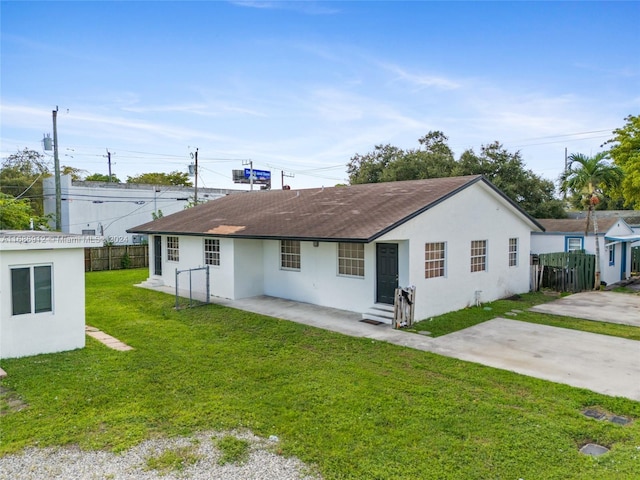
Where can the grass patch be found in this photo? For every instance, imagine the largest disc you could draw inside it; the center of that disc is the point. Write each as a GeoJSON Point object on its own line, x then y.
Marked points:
{"type": "Point", "coordinates": [468, 317]}
{"type": "Point", "coordinates": [350, 407]}
{"type": "Point", "coordinates": [172, 460]}
{"type": "Point", "coordinates": [232, 450]}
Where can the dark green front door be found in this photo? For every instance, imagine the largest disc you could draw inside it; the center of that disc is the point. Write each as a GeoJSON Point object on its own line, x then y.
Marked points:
{"type": "Point", "coordinates": [157, 255]}
{"type": "Point", "coordinates": [387, 272]}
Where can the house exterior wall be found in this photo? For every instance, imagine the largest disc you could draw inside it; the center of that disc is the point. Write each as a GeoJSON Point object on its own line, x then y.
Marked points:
{"type": "Point", "coordinates": [248, 262]}
{"type": "Point", "coordinates": [47, 332]}
{"type": "Point", "coordinates": [318, 281]}
{"type": "Point", "coordinates": [476, 213]}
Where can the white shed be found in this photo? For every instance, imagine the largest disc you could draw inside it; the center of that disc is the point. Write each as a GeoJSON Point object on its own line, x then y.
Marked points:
{"type": "Point", "coordinates": [42, 295]}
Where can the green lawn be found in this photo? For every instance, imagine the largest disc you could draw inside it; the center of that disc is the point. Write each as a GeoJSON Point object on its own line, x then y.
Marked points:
{"type": "Point", "coordinates": [354, 408]}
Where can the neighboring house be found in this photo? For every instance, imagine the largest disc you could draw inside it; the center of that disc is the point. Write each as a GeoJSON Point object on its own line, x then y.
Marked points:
{"type": "Point", "coordinates": [458, 240]}
{"type": "Point", "coordinates": [109, 209]}
{"type": "Point", "coordinates": [615, 237]}
{"type": "Point", "coordinates": [41, 292]}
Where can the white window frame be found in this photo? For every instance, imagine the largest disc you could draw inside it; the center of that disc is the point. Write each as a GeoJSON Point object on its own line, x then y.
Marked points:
{"type": "Point", "coordinates": [569, 240]}
{"type": "Point", "coordinates": [435, 266]}
{"type": "Point", "coordinates": [212, 251]}
{"type": "Point", "coordinates": [350, 259]}
{"type": "Point", "coordinates": [513, 251]}
{"type": "Point", "coordinates": [33, 290]}
{"type": "Point", "coordinates": [479, 250]}
{"type": "Point", "coordinates": [290, 255]}
{"type": "Point", "coordinates": [173, 251]}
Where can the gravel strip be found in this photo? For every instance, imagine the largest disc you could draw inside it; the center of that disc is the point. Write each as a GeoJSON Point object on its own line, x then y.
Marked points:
{"type": "Point", "coordinates": [73, 463]}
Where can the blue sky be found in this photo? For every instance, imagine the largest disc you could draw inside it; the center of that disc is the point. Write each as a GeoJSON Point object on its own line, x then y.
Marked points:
{"type": "Point", "coordinates": [304, 86]}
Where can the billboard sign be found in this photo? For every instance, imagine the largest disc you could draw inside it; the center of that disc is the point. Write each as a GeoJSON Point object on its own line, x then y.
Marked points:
{"type": "Point", "coordinates": [260, 177]}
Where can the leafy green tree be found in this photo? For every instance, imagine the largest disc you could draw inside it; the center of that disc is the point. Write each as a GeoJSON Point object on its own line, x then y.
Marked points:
{"type": "Point", "coordinates": [387, 163]}
{"type": "Point", "coordinates": [589, 176]}
{"type": "Point", "coordinates": [369, 168]}
{"type": "Point", "coordinates": [99, 177]}
{"type": "Point", "coordinates": [158, 178]}
{"type": "Point", "coordinates": [506, 170]}
{"type": "Point", "coordinates": [76, 173]}
{"type": "Point", "coordinates": [625, 152]}
{"type": "Point", "coordinates": [17, 214]}
{"type": "Point", "coordinates": [434, 159]}
{"type": "Point", "coordinates": [21, 177]}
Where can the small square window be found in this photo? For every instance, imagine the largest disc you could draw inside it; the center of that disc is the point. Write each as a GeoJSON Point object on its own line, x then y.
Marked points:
{"type": "Point", "coordinates": [574, 244]}
{"type": "Point", "coordinates": [31, 290]}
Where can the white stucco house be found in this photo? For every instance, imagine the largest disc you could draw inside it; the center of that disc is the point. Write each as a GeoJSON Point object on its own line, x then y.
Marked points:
{"type": "Point", "coordinates": [42, 307]}
{"type": "Point", "coordinates": [615, 238]}
{"type": "Point", "coordinates": [457, 240]}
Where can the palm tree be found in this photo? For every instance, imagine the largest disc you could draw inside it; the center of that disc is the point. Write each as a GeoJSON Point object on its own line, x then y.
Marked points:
{"type": "Point", "coordinates": [588, 176]}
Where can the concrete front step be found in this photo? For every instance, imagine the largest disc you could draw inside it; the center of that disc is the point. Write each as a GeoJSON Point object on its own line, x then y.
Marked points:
{"type": "Point", "coordinates": [379, 313]}
{"type": "Point", "coordinates": [153, 282]}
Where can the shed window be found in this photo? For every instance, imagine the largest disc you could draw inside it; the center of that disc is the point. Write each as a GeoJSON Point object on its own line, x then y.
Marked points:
{"type": "Point", "coordinates": [351, 259]}
{"type": "Point", "coordinates": [478, 255]}
{"type": "Point", "coordinates": [290, 254]}
{"type": "Point", "coordinates": [31, 289]}
{"type": "Point", "coordinates": [173, 249]}
{"type": "Point", "coordinates": [434, 258]}
{"type": "Point", "coordinates": [513, 252]}
{"type": "Point", "coordinates": [212, 251]}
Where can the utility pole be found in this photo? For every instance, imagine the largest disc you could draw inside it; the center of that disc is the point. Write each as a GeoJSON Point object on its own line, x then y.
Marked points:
{"type": "Point", "coordinates": [109, 161]}
{"type": "Point", "coordinates": [195, 196]}
{"type": "Point", "coordinates": [250, 163]}
{"type": "Point", "coordinates": [56, 166]}
{"type": "Point", "coordinates": [284, 174]}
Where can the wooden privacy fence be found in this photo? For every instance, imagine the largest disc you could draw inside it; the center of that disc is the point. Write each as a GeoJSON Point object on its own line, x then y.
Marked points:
{"type": "Point", "coordinates": [563, 271]}
{"type": "Point", "coordinates": [116, 257]}
{"type": "Point", "coordinates": [635, 260]}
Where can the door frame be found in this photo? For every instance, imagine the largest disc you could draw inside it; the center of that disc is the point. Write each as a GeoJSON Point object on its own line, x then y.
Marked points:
{"type": "Point", "coordinates": [157, 254]}
{"type": "Point", "coordinates": [391, 295]}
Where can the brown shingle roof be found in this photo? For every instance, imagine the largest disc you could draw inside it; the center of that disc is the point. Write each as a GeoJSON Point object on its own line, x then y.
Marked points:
{"type": "Point", "coordinates": [570, 225]}
{"type": "Point", "coordinates": [350, 213]}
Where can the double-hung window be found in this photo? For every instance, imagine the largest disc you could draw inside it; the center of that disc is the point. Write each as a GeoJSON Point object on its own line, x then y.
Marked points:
{"type": "Point", "coordinates": [31, 289]}
{"type": "Point", "coordinates": [351, 259]}
{"type": "Point", "coordinates": [434, 259]}
{"type": "Point", "coordinates": [290, 254]}
{"type": "Point", "coordinates": [478, 255]}
{"type": "Point", "coordinates": [212, 251]}
{"type": "Point", "coordinates": [173, 249]}
{"type": "Point", "coordinates": [513, 252]}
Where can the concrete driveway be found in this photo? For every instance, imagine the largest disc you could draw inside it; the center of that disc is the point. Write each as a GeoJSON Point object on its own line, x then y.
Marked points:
{"type": "Point", "coordinates": [601, 363]}
{"type": "Point", "coordinates": [610, 307]}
